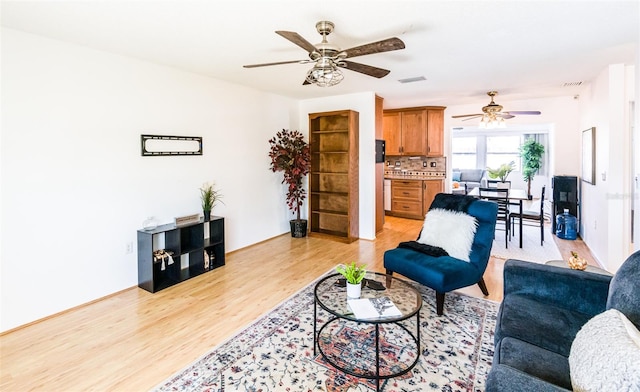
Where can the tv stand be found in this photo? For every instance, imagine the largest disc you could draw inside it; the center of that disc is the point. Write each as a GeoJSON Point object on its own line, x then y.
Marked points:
{"type": "Point", "coordinates": [192, 253]}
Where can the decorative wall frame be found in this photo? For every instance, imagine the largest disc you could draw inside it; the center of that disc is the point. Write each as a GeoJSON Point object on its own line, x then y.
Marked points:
{"type": "Point", "coordinates": [163, 145]}
{"type": "Point", "coordinates": [589, 155]}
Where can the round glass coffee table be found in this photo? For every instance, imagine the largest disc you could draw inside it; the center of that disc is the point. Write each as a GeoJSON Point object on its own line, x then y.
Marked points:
{"type": "Point", "coordinates": [374, 347]}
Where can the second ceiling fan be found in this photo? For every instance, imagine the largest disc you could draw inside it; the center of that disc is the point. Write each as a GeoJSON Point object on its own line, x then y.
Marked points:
{"type": "Point", "coordinates": [328, 57]}
{"type": "Point", "coordinates": [492, 114]}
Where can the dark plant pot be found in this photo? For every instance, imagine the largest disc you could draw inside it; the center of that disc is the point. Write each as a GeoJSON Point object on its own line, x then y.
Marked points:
{"type": "Point", "coordinates": [298, 228]}
{"type": "Point", "coordinates": [207, 215]}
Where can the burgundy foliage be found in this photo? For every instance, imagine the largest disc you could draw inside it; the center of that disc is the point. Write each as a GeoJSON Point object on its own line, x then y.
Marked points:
{"type": "Point", "coordinates": [290, 154]}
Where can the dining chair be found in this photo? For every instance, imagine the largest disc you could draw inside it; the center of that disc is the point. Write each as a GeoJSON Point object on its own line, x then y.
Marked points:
{"type": "Point", "coordinates": [501, 197]}
{"type": "Point", "coordinates": [532, 218]}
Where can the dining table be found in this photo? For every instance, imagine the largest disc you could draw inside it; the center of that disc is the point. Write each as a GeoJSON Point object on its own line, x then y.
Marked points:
{"type": "Point", "coordinates": [518, 196]}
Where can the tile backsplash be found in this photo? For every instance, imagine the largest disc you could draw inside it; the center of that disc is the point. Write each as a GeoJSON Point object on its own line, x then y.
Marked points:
{"type": "Point", "coordinates": [418, 163]}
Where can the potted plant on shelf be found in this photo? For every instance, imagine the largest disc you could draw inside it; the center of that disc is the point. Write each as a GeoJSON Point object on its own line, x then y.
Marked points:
{"type": "Point", "coordinates": [354, 275]}
{"type": "Point", "coordinates": [502, 173]}
{"type": "Point", "coordinates": [290, 154]}
{"type": "Point", "coordinates": [531, 153]}
{"type": "Point", "coordinates": [209, 197]}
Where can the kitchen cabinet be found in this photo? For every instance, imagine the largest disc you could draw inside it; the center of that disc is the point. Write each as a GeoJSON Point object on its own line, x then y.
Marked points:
{"type": "Point", "coordinates": [435, 132]}
{"type": "Point", "coordinates": [412, 198]}
{"type": "Point", "coordinates": [333, 178]}
{"type": "Point", "coordinates": [430, 188]}
{"type": "Point", "coordinates": [406, 198]}
{"type": "Point", "coordinates": [414, 131]}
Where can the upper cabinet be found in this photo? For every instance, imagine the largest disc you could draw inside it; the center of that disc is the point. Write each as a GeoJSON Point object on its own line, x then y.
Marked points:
{"type": "Point", "coordinates": [414, 131]}
{"type": "Point", "coordinates": [435, 132]}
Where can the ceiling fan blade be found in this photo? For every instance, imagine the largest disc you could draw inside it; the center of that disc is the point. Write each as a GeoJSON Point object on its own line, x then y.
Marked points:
{"type": "Point", "coordinates": [471, 118]}
{"type": "Point", "coordinates": [466, 115]}
{"type": "Point", "coordinates": [520, 112]}
{"type": "Point", "coordinates": [364, 69]}
{"type": "Point", "coordinates": [505, 115]}
{"type": "Point", "coordinates": [298, 40]}
{"type": "Point", "coordinates": [276, 63]}
{"type": "Point", "coordinates": [385, 45]}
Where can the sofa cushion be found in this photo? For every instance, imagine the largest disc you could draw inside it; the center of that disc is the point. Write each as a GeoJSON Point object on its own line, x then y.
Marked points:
{"type": "Point", "coordinates": [504, 378]}
{"type": "Point", "coordinates": [550, 327]}
{"type": "Point", "coordinates": [455, 176]}
{"type": "Point", "coordinates": [605, 355]}
{"type": "Point", "coordinates": [623, 294]}
{"type": "Point", "coordinates": [443, 274]}
{"type": "Point", "coordinates": [536, 361]}
{"type": "Point", "coordinates": [452, 231]}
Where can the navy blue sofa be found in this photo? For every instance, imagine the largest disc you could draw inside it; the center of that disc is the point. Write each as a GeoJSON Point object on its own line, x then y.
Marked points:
{"type": "Point", "coordinates": [543, 309]}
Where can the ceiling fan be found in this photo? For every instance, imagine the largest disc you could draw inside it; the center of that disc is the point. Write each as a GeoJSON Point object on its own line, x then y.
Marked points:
{"type": "Point", "coordinates": [328, 57]}
{"type": "Point", "coordinates": [492, 114]}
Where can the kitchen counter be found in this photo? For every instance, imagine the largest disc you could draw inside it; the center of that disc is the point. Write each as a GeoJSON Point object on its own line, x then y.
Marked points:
{"type": "Point", "coordinates": [419, 178]}
{"type": "Point", "coordinates": [406, 175]}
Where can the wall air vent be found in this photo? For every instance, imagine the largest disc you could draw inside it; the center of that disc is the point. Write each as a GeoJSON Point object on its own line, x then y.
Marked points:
{"type": "Point", "coordinates": [572, 84]}
{"type": "Point", "coordinates": [411, 80]}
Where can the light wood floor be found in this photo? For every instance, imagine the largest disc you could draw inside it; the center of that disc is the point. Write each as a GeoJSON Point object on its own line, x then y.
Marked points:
{"type": "Point", "coordinates": [133, 340]}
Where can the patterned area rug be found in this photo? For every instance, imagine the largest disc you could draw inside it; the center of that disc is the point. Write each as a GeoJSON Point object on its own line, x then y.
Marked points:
{"type": "Point", "coordinates": [276, 353]}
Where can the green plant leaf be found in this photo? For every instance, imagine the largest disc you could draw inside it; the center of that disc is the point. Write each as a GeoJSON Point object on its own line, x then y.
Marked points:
{"type": "Point", "coordinates": [352, 273]}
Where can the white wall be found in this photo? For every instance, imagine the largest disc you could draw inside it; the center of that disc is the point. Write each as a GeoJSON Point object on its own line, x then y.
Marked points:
{"type": "Point", "coordinates": [75, 189]}
{"type": "Point", "coordinates": [558, 114]}
{"type": "Point", "coordinates": [364, 104]}
{"type": "Point", "coordinates": [606, 204]}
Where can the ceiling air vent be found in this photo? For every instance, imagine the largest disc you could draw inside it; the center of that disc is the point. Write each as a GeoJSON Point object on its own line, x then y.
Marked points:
{"type": "Point", "coordinates": [572, 84]}
{"type": "Point", "coordinates": [411, 80]}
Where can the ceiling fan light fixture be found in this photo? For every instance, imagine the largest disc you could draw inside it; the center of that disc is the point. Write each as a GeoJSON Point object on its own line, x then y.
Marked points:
{"type": "Point", "coordinates": [491, 121]}
{"type": "Point", "coordinates": [325, 74]}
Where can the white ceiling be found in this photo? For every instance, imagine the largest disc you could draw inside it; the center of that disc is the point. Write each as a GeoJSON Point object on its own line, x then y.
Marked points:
{"type": "Point", "coordinates": [523, 49]}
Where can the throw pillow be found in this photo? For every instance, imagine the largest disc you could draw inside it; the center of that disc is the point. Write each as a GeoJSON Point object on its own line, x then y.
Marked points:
{"type": "Point", "coordinates": [605, 355]}
{"type": "Point", "coordinates": [452, 231]}
{"type": "Point", "coordinates": [455, 176]}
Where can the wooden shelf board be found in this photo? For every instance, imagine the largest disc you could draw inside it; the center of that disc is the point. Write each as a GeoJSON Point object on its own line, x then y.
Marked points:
{"type": "Point", "coordinates": [330, 212]}
{"type": "Point", "coordinates": [331, 131]}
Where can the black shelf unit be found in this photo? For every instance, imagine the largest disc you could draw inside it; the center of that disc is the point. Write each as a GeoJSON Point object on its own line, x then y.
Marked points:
{"type": "Point", "coordinates": [185, 242]}
{"type": "Point", "coordinates": [565, 195]}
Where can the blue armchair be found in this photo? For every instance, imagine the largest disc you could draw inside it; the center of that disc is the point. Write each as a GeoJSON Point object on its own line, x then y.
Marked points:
{"type": "Point", "coordinates": [543, 309]}
{"type": "Point", "coordinates": [446, 273]}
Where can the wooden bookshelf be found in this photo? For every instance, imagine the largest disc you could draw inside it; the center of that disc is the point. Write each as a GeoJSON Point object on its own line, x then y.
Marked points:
{"type": "Point", "coordinates": [333, 179]}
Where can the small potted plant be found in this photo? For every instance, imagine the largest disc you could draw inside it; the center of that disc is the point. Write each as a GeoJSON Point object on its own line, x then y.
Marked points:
{"type": "Point", "coordinates": [354, 275]}
{"type": "Point", "coordinates": [291, 155]}
{"type": "Point", "coordinates": [209, 197]}
{"type": "Point", "coordinates": [502, 173]}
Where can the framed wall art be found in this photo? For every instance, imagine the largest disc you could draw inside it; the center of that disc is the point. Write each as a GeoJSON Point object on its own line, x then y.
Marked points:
{"type": "Point", "coordinates": [163, 145]}
{"type": "Point", "coordinates": [589, 155]}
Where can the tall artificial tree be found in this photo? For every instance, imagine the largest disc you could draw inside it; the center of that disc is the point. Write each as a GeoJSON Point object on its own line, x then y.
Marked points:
{"type": "Point", "coordinates": [290, 154]}
{"type": "Point", "coordinates": [531, 153]}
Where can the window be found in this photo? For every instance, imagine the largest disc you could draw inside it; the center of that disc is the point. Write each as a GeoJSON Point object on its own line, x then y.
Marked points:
{"type": "Point", "coordinates": [464, 153]}
{"type": "Point", "coordinates": [503, 149]}
{"type": "Point", "coordinates": [481, 150]}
